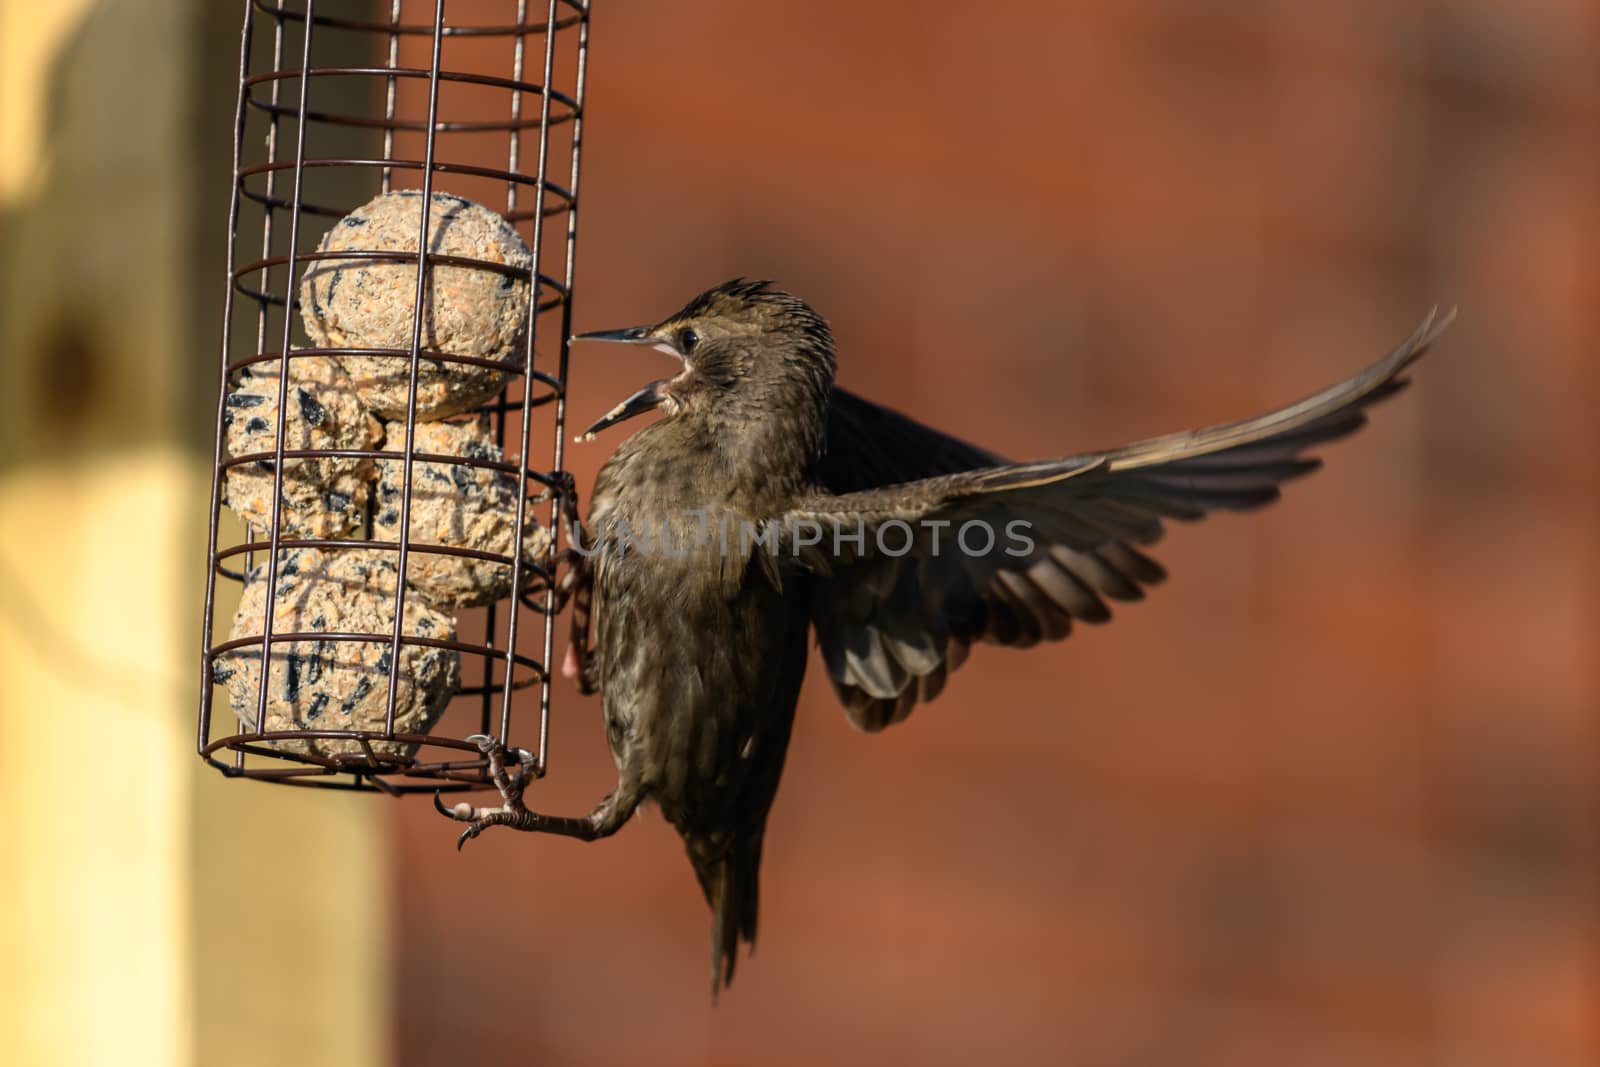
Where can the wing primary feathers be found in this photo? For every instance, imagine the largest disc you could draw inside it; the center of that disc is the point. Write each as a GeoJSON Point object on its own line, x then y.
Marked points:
{"type": "Point", "coordinates": [892, 628]}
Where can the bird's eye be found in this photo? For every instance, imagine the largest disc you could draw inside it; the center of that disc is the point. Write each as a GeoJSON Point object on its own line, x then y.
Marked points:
{"type": "Point", "coordinates": [687, 339]}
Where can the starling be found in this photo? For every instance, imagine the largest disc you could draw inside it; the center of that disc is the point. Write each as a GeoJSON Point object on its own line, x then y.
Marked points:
{"type": "Point", "coordinates": [767, 503]}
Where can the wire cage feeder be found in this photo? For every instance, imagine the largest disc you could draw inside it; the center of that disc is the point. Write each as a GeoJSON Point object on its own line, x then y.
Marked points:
{"type": "Point", "coordinates": [338, 104]}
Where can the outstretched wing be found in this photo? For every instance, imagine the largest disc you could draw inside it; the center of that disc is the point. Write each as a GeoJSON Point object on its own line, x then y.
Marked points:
{"type": "Point", "coordinates": [926, 544]}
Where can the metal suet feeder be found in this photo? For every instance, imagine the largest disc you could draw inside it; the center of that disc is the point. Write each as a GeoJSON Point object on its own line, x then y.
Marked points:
{"type": "Point", "coordinates": [388, 485]}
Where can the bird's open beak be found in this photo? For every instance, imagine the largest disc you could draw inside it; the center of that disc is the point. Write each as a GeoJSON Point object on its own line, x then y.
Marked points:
{"type": "Point", "coordinates": [647, 399]}
{"type": "Point", "coordinates": [633, 335]}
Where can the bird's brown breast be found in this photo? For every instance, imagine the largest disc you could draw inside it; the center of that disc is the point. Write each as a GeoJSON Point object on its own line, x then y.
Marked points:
{"type": "Point", "coordinates": [698, 655]}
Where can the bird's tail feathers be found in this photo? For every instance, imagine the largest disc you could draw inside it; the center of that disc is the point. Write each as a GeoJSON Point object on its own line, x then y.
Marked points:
{"type": "Point", "coordinates": [731, 883]}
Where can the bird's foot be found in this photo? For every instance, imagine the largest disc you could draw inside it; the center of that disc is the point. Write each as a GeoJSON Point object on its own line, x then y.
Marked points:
{"type": "Point", "coordinates": [511, 812]}
{"type": "Point", "coordinates": [606, 818]}
{"type": "Point", "coordinates": [562, 487]}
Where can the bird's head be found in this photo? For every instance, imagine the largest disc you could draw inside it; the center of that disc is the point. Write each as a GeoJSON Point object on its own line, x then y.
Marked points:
{"type": "Point", "coordinates": [751, 355]}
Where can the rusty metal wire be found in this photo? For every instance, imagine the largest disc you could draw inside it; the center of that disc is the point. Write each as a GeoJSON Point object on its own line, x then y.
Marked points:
{"type": "Point", "coordinates": [307, 152]}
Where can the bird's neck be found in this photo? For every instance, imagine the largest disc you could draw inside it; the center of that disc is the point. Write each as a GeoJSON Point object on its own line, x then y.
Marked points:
{"type": "Point", "coordinates": [770, 449]}
{"type": "Point", "coordinates": [752, 461]}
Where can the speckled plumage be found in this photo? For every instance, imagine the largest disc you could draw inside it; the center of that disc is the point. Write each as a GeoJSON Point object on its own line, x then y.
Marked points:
{"type": "Point", "coordinates": [698, 659]}
{"type": "Point", "coordinates": [698, 653]}
{"type": "Point", "coordinates": [700, 644]}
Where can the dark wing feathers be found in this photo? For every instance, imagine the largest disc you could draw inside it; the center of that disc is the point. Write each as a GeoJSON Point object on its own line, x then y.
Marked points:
{"type": "Point", "coordinates": [893, 626]}
{"type": "Point", "coordinates": [870, 446]}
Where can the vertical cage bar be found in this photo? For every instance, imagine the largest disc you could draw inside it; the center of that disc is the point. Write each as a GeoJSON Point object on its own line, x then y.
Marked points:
{"type": "Point", "coordinates": [409, 463]}
{"type": "Point", "coordinates": [513, 161]}
{"type": "Point", "coordinates": [558, 457]}
{"type": "Point", "coordinates": [541, 179]}
{"type": "Point", "coordinates": [283, 365]}
{"type": "Point", "coordinates": [246, 39]}
{"type": "Point", "coordinates": [386, 176]}
{"type": "Point", "coordinates": [514, 149]}
{"type": "Point", "coordinates": [264, 304]}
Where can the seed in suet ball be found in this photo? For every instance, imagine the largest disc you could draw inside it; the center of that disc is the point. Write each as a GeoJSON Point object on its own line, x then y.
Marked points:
{"type": "Point", "coordinates": [339, 685]}
{"type": "Point", "coordinates": [322, 497]}
{"type": "Point", "coordinates": [457, 506]}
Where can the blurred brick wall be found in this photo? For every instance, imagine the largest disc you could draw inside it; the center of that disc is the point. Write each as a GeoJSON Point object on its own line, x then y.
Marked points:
{"type": "Point", "coordinates": [1329, 797]}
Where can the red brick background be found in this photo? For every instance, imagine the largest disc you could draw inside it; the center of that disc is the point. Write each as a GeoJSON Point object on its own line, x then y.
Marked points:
{"type": "Point", "coordinates": [1332, 796]}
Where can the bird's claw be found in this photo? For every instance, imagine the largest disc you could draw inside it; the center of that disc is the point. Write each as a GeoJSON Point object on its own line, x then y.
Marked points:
{"type": "Point", "coordinates": [510, 783]}
{"type": "Point", "coordinates": [463, 813]}
{"type": "Point", "coordinates": [468, 834]}
{"type": "Point", "coordinates": [563, 486]}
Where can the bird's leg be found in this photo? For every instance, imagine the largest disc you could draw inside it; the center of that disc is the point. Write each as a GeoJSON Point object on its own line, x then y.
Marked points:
{"type": "Point", "coordinates": [576, 586]}
{"type": "Point", "coordinates": [579, 662]}
{"type": "Point", "coordinates": [571, 557]}
{"type": "Point", "coordinates": [606, 818]}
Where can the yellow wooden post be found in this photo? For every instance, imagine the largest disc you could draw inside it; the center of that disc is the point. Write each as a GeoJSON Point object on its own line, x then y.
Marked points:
{"type": "Point", "coordinates": [150, 912]}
